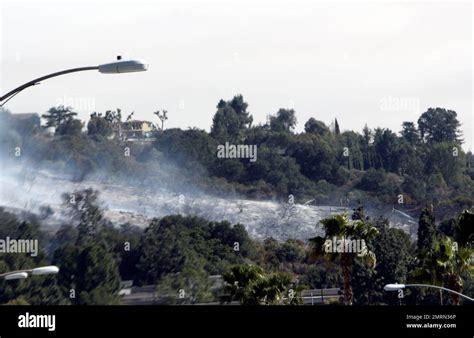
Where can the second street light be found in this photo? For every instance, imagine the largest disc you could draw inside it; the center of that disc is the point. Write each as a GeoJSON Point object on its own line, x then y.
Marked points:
{"type": "Point", "coordinates": [396, 287]}
{"type": "Point", "coordinates": [117, 67]}
{"type": "Point", "coordinates": [23, 274]}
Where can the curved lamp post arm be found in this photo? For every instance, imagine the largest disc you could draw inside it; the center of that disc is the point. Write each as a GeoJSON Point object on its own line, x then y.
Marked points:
{"type": "Point", "coordinates": [24, 273]}
{"type": "Point", "coordinates": [15, 91]}
{"type": "Point", "coordinates": [120, 66]}
{"type": "Point", "coordinates": [441, 288]}
{"type": "Point", "coordinates": [396, 287]}
{"type": "Point", "coordinates": [14, 272]}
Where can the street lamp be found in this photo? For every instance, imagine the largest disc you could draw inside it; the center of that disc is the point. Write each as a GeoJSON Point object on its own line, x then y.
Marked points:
{"type": "Point", "coordinates": [23, 274]}
{"type": "Point", "coordinates": [396, 287]}
{"type": "Point", "coordinates": [120, 66]}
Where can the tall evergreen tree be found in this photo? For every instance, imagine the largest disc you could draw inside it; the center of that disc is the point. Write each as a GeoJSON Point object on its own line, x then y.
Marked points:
{"type": "Point", "coordinates": [427, 231]}
{"type": "Point", "coordinates": [337, 131]}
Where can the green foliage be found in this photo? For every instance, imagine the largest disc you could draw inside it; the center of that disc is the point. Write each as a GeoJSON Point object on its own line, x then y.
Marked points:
{"type": "Point", "coordinates": [395, 254]}
{"type": "Point", "coordinates": [314, 126]}
{"type": "Point", "coordinates": [337, 130]}
{"type": "Point", "coordinates": [428, 168]}
{"type": "Point", "coordinates": [439, 125]}
{"type": "Point", "coordinates": [99, 126]}
{"type": "Point", "coordinates": [171, 243]}
{"type": "Point", "coordinates": [464, 230]}
{"type": "Point", "coordinates": [427, 231]}
{"type": "Point", "coordinates": [91, 271]}
{"type": "Point", "coordinates": [322, 275]}
{"type": "Point", "coordinates": [284, 121]}
{"type": "Point", "coordinates": [88, 266]}
{"type": "Point", "coordinates": [339, 227]}
{"type": "Point", "coordinates": [191, 148]}
{"type": "Point", "coordinates": [316, 158]}
{"type": "Point", "coordinates": [425, 164]}
{"type": "Point", "coordinates": [410, 133]}
{"type": "Point", "coordinates": [230, 120]}
{"type": "Point", "coordinates": [373, 180]}
{"type": "Point", "coordinates": [251, 285]}
{"type": "Point", "coordinates": [444, 265]}
{"type": "Point", "coordinates": [62, 119]}
{"type": "Point", "coordinates": [189, 286]}
{"type": "Point", "coordinates": [35, 290]}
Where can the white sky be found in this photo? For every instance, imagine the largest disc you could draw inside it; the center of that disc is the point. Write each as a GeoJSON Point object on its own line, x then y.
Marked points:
{"type": "Point", "coordinates": [354, 61]}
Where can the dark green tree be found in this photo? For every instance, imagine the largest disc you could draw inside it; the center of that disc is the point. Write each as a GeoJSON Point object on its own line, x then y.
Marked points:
{"type": "Point", "coordinates": [314, 126]}
{"type": "Point", "coordinates": [337, 131]}
{"type": "Point", "coordinates": [89, 267]}
{"type": "Point", "coordinates": [231, 120]}
{"type": "Point", "coordinates": [409, 133]}
{"type": "Point", "coordinates": [439, 125]}
{"type": "Point", "coordinates": [250, 285]}
{"type": "Point", "coordinates": [62, 119]}
{"type": "Point", "coordinates": [99, 126]}
{"type": "Point", "coordinates": [284, 121]}
{"type": "Point", "coordinates": [427, 231]}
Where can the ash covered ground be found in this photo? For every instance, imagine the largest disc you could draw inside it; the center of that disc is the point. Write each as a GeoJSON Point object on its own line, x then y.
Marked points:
{"type": "Point", "coordinates": [27, 190]}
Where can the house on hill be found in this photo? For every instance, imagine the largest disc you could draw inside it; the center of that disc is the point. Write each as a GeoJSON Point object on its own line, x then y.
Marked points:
{"type": "Point", "coordinates": [137, 129]}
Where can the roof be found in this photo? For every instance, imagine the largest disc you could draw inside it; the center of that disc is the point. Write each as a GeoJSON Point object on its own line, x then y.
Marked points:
{"type": "Point", "coordinates": [138, 121]}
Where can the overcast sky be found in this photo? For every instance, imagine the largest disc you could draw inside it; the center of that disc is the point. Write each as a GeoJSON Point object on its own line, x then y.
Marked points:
{"type": "Point", "coordinates": [379, 64]}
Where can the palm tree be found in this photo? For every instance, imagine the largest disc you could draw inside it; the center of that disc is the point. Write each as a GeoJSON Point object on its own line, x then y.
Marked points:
{"type": "Point", "coordinates": [443, 265]}
{"type": "Point", "coordinates": [340, 228]}
{"type": "Point", "coordinates": [250, 285]}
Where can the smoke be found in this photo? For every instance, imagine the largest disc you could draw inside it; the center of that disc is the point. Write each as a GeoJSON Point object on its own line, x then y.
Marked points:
{"type": "Point", "coordinates": [26, 189]}
{"type": "Point", "coordinates": [151, 188]}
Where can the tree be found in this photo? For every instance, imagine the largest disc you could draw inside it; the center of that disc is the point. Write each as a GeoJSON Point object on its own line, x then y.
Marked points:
{"type": "Point", "coordinates": [337, 131]}
{"type": "Point", "coordinates": [89, 272]}
{"type": "Point", "coordinates": [373, 180]}
{"type": "Point", "coordinates": [192, 148]}
{"type": "Point", "coordinates": [427, 231]}
{"type": "Point", "coordinates": [443, 265]}
{"type": "Point", "coordinates": [83, 208]}
{"type": "Point", "coordinates": [439, 125]}
{"type": "Point", "coordinates": [385, 144]}
{"type": "Point", "coordinates": [410, 133]}
{"type": "Point", "coordinates": [351, 155]}
{"type": "Point", "coordinates": [175, 243]}
{"type": "Point", "coordinates": [114, 118]}
{"type": "Point", "coordinates": [162, 250]}
{"type": "Point", "coordinates": [316, 157]}
{"type": "Point", "coordinates": [284, 121]}
{"type": "Point", "coordinates": [250, 285]}
{"type": "Point", "coordinates": [339, 227]}
{"type": "Point", "coordinates": [189, 286]}
{"type": "Point", "coordinates": [446, 159]}
{"type": "Point", "coordinates": [162, 116]}
{"type": "Point", "coordinates": [62, 119]}
{"type": "Point", "coordinates": [464, 229]}
{"type": "Point", "coordinates": [231, 119]}
{"type": "Point", "coordinates": [367, 135]}
{"type": "Point", "coordinates": [32, 291]}
{"type": "Point", "coordinates": [55, 116]}
{"type": "Point", "coordinates": [99, 126]}
{"type": "Point", "coordinates": [395, 257]}
{"type": "Point", "coordinates": [70, 127]}
{"type": "Point", "coordinates": [88, 266]}
{"type": "Point", "coordinates": [314, 126]}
